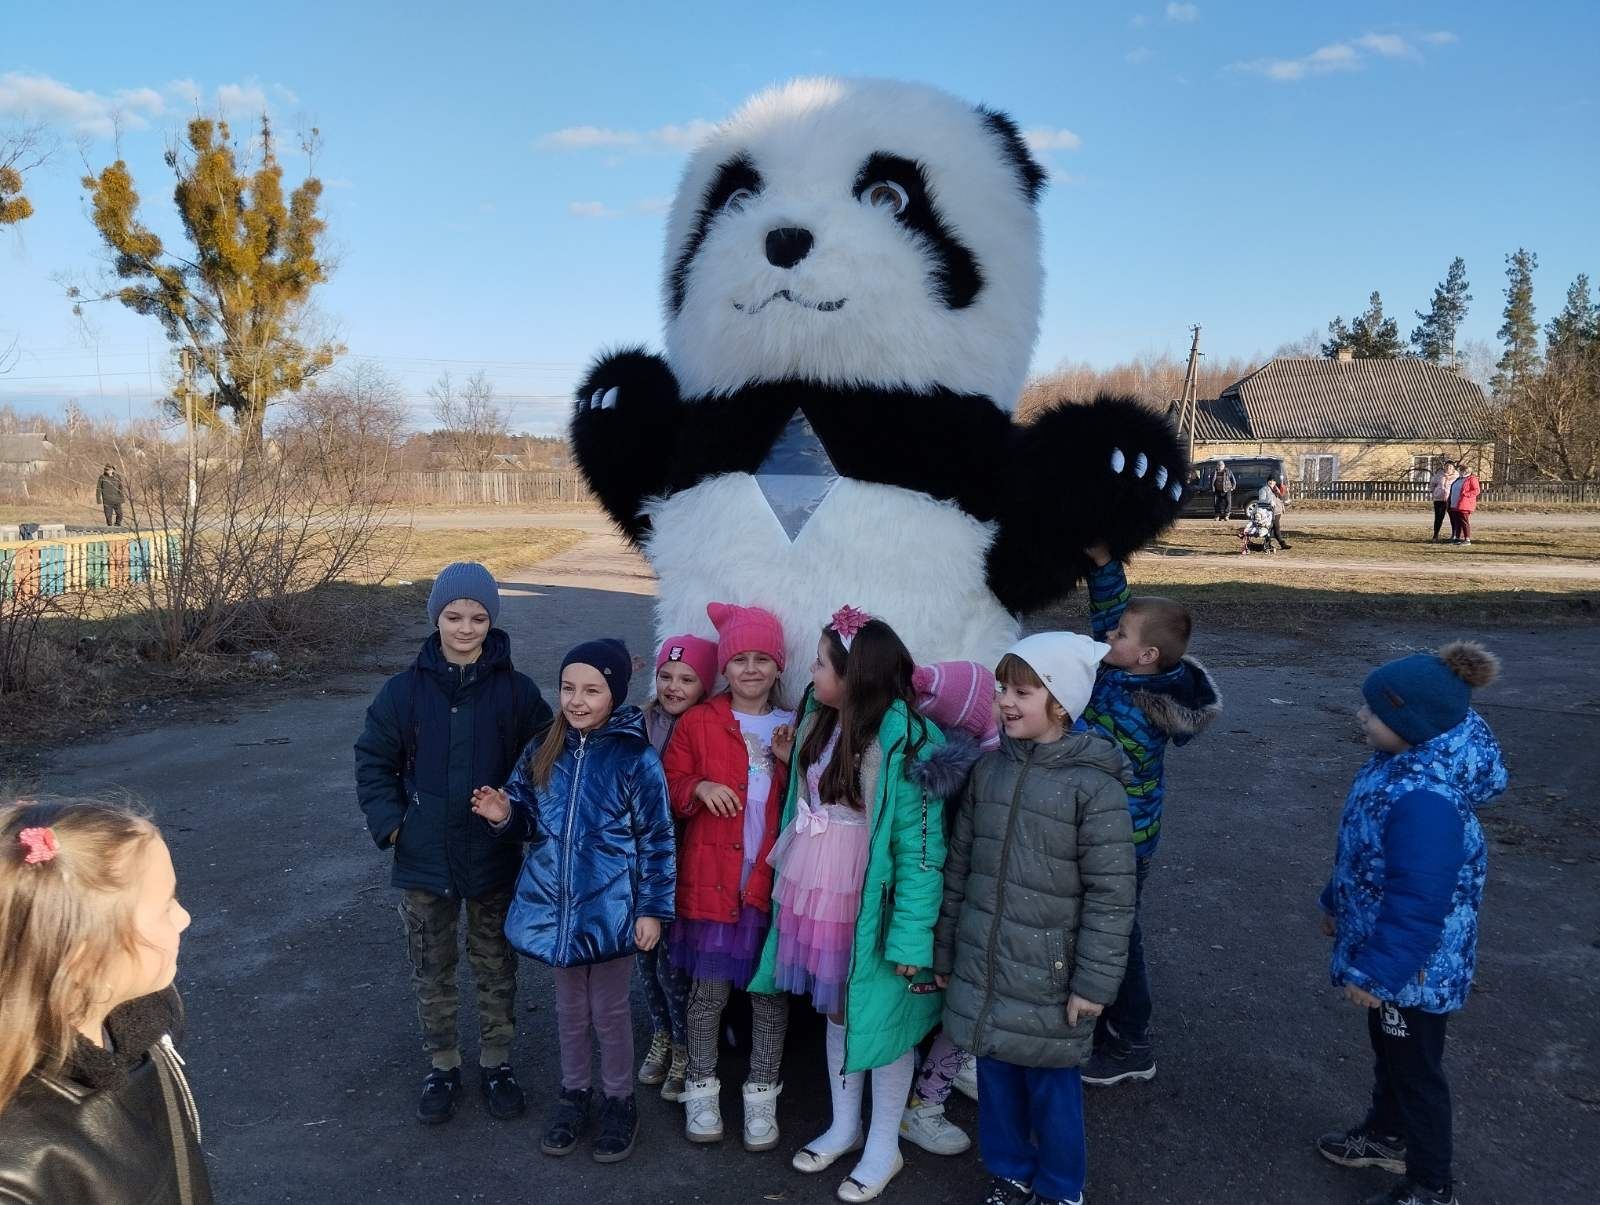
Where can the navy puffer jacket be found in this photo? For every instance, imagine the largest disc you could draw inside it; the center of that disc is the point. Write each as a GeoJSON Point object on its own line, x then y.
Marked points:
{"type": "Point", "coordinates": [433, 735]}
{"type": "Point", "coordinates": [600, 847]}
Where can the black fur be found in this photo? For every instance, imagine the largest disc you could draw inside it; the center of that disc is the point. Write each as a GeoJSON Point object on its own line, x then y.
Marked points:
{"type": "Point", "coordinates": [944, 772]}
{"type": "Point", "coordinates": [733, 175]}
{"type": "Point", "coordinates": [1030, 175]}
{"type": "Point", "coordinates": [1050, 485]}
{"type": "Point", "coordinates": [956, 277]}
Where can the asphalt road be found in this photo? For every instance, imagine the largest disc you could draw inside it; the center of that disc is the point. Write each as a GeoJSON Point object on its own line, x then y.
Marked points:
{"type": "Point", "coordinates": [305, 1059]}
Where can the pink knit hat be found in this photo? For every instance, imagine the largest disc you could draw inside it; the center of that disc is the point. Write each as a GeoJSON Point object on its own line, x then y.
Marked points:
{"type": "Point", "coordinates": [958, 694]}
{"type": "Point", "coordinates": [698, 653]}
{"type": "Point", "coordinates": [745, 630]}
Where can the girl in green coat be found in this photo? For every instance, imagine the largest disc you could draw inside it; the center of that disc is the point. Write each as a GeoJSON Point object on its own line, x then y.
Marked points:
{"type": "Point", "coordinates": [857, 889]}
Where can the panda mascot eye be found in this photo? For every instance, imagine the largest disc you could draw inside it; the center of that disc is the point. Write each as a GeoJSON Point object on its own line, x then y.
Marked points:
{"type": "Point", "coordinates": [886, 195]}
{"type": "Point", "coordinates": [738, 201]}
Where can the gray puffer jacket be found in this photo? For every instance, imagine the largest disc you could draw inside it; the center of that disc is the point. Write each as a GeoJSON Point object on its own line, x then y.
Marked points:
{"type": "Point", "coordinates": [1038, 899]}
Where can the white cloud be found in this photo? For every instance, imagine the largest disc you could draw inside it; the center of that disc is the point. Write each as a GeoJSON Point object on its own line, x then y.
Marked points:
{"type": "Point", "coordinates": [1043, 138]}
{"type": "Point", "coordinates": [1183, 14]}
{"type": "Point", "coordinates": [339, 182]}
{"type": "Point", "coordinates": [590, 209]}
{"type": "Point", "coordinates": [663, 138]}
{"type": "Point", "coordinates": [1339, 56]}
{"type": "Point", "coordinates": [41, 98]}
{"type": "Point", "coordinates": [1138, 20]}
{"type": "Point", "coordinates": [653, 205]}
{"type": "Point", "coordinates": [1440, 37]}
{"type": "Point", "coordinates": [1139, 54]}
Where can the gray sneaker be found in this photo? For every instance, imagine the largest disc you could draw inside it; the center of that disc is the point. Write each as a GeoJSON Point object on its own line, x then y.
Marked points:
{"type": "Point", "coordinates": [1359, 1147]}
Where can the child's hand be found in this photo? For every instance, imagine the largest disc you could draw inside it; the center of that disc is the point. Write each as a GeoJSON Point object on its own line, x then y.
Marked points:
{"type": "Point", "coordinates": [1355, 995]}
{"type": "Point", "coordinates": [783, 742]}
{"type": "Point", "coordinates": [719, 800]}
{"type": "Point", "coordinates": [941, 981]}
{"type": "Point", "coordinates": [393, 838]}
{"type": "Point", "coordinates": [492, 804]}
{"type": "Point", "coordinates": [906, 972]}
{"type": "Point", "coordinates": [1328, 929]}
{"type": "Point", "coordinates": [1099, 554]}
{"type": "Point", "coordinates": [1079, 1009]}
{"type": "Point", "coordinates": [646, 932]}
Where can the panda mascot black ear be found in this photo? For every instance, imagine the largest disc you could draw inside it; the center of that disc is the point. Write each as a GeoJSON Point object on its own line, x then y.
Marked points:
{"type": "Point", "coordinates": [1030, 175]}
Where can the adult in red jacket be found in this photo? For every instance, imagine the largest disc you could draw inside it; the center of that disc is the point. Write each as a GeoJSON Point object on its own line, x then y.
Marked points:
{"type": "Point", "coordinates": [1464, 491]}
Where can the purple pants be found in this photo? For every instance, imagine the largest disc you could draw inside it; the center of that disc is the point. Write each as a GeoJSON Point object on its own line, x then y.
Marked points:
{"type": "Point", "coordinates": [596, 995]}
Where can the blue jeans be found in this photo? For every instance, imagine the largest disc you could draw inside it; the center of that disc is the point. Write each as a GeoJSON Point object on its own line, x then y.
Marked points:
{"type": "Point", "coordinates": [1127, 1022]}
{"type": "Point", "coordinates": [1030, 1127]}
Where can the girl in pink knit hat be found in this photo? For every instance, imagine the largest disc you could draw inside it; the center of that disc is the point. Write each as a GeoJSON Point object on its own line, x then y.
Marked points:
{"type": "Point", "coordinates": [686, 669]}
{"type": "Point", "coordinates": [727, 768]}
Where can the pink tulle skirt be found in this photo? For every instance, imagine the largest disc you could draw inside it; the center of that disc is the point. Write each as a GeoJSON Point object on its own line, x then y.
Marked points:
{"type": "Point", "coordinates": [818, 889]}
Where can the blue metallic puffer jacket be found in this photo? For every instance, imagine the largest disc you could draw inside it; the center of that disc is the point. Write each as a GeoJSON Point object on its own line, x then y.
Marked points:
{"type": "Point", "coordinates": [1408, 877]}
{"type": "Point", "coordinates": [600, 847]}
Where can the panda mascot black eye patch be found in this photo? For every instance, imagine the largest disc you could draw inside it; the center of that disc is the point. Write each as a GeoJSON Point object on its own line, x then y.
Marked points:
{"type": "Point", "coordinates": [955, 275]}
{"type": "Point", "coordinates": [851, 301]}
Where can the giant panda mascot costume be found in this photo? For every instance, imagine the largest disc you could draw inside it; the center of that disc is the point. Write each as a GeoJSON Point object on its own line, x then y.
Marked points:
{"type": "Point", "coordinates": [852, 289]}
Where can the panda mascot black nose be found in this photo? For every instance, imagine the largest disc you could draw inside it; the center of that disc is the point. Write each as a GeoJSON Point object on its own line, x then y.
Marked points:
{"type": "Point", "coordinates": [787, 246]}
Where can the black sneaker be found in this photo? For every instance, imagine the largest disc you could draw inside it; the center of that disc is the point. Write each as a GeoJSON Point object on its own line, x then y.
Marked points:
{"type": "Point", "coordinates": [619, 1126]}
{"type": "Point", "coordinates": [568, 1119]}
{"type": "Point", "coordinates": [1359, 1147]}
{"type": "Point", "coordinates": [440, 1091]}
{"type": "Point", "coordinates": [1109, 1065]}
{"type": "Point", "coordinates": [1036, 1199]}
{"type": "Point", "coordinates": [501, 1092]}
{"type": "Point", "coordinates": [1006, 1192]}
{"type": "Point", "coordinates": [1409, 1192]}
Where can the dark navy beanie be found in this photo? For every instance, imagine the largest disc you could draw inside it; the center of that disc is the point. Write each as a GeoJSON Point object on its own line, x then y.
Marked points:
{"type": "Point", "coordinates": [1425, 694]}
{"type": "Point", "coordinates": [464, 579]}
{"type": "Point", "coordinates": [611, 657]}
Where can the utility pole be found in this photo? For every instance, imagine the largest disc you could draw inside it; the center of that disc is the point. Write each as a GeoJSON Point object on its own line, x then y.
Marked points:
{"type": "Point", "coordinates": [186, 366]}
{"type": "Point", "coordinates": [1191, 377]}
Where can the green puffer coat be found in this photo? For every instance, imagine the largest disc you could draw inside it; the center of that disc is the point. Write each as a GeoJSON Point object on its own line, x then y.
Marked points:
{"type": "Point", "coordinates": [1038, 899]}
{"type": "Point", "coordinates": [899, 898]}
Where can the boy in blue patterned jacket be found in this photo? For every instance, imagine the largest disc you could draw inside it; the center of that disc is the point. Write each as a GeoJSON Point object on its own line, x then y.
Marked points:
{"type": "Point", "coordinates": [1147, 692]}
{"type": "Point", "coordinates": [1402, 905]}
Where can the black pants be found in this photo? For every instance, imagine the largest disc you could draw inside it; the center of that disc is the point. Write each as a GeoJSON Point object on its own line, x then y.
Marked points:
{"type": "Point", "coordinates": [1222, 507]}
{"type": "Point", "coordinates": [1410, 1096]}
{"type": "Point", "coordinates": [1440, 510]}
{"type": "Point", "coordinates": [113, 513]}
{"type": "Point", "coordinates": [1277, 529]}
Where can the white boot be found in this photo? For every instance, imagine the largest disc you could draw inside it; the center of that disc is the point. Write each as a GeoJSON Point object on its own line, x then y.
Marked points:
{"type": "Point", "coordinates": [761, 1116]}
{"type": "Point", "coordinates": [702, 1108]}
{"type": "Point", "coordinates": [928, 1127]}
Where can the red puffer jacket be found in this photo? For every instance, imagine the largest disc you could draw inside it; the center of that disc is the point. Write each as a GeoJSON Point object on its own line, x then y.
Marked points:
{"type": "Point", "coordinates": [707, 746]}
{"type": "Point", "coordinates": [1470, 489]}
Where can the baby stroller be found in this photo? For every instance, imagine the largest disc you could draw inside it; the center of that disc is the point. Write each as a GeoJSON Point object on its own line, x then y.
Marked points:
{"type": "Point", "coordinates": [1258, 518]}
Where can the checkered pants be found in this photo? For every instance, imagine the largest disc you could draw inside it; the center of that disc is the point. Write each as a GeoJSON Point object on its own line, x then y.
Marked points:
{"type": "Point", "coordinates": [768, 1024]}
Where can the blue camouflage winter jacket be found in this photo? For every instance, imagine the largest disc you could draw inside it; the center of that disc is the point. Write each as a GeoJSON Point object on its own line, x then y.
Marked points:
{"type": "Point", "coordinates": [1408, 877]}
{"type": "Point", "coordinates": [600, 846]}
{"type": "Point", "coordinates": [1142, 712]}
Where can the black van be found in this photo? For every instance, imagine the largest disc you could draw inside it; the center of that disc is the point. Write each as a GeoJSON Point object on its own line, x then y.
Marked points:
{"type": "Point", "coordinates": [1250, 472]}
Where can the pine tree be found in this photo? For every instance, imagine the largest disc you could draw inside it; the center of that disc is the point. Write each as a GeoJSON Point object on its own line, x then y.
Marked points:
{"type": "Point", "coordinates": [1519, 332]}
{"type": "Point", "coordinates": [238, 296]}
{"type": "Point", "coordinates": [1435, 339]}
{"type": "Point", "coordinates": [1577, 325]}
{"type": "Point", "coordinates": [1370, 336]}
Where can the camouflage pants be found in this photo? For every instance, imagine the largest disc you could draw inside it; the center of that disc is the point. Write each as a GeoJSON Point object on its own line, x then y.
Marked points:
{"type": "Point", "coordinates": [431, 943]}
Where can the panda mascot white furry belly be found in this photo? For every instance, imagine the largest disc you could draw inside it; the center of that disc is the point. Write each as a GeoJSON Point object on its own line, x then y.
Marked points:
{"type": "Point", "coordinates": [852, 288]}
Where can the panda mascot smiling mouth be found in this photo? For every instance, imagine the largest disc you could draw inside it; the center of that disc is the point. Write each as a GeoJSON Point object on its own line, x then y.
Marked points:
{"type": "Point", "coordinates": [851, 293]}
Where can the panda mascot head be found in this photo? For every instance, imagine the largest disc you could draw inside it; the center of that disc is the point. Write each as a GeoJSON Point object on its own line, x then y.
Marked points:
{"type": "Point", "coordinates": [856, 232]}
{"type": "Point", "coordinates": [851, 290]}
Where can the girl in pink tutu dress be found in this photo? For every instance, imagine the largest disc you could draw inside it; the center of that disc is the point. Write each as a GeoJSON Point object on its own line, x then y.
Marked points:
{"type": "Point", "coordinates": [857, 887]}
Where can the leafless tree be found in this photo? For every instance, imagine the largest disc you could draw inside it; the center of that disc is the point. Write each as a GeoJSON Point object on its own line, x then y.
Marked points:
{"type": "Point", "coordinates": [473, 423]}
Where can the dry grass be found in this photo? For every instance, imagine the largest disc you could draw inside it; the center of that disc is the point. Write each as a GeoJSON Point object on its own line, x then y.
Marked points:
{"type": "Point", "coordinates": [503, 550]}
{"type": "Point", "coordinates": [76, 513]}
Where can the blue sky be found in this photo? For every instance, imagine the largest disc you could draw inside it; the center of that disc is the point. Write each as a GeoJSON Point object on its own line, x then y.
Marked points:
{"type": "Point", "coordinates": [496, 174]}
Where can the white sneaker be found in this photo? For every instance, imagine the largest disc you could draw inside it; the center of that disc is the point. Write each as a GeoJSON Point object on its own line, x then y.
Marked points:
{"type": "Point", "coordinates": [926, 1126]}
{"type": "Point", "coordinates": [702, 1110]}
{"type": "Point", "coordinates": [966, 1081]}
{"type": "Point", "coordinates": [761, 1116]}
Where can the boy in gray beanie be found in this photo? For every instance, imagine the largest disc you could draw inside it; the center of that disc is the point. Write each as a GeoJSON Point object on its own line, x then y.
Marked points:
{"type": "Point", "coordinates": [455, 721]}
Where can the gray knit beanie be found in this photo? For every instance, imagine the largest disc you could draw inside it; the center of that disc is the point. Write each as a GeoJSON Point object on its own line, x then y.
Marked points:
{"type": "Point", "coordinates": [464, 579]}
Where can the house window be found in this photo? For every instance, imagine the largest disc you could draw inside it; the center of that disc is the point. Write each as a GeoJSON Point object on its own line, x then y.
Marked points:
{"type": "Point", "coordinates": [1319, 469]}
{"type": "Point", "coordinates": [1424, 467]}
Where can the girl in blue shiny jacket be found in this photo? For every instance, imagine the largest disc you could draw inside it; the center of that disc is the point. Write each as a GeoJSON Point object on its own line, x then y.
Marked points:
{"type": "Point", "coordinates": [597, 880]}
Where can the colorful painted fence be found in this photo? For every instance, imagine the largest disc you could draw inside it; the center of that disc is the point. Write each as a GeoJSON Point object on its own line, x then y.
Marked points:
{"type": "Point", "coordinates": [78, 563]}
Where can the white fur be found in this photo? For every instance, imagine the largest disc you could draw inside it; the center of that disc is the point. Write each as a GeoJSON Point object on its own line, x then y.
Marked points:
{"type": "Point", "coordinates": [916, 563]}
{"type": "Point", "coordinates": [808, 139]}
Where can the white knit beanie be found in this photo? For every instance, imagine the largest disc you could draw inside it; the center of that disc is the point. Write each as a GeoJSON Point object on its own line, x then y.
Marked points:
{"type": "Point", "coordinates": [1066, 662]}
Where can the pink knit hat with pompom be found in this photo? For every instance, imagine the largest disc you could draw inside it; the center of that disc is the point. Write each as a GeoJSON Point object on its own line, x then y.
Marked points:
{"type": "Point", "coordinates": [959, 694]}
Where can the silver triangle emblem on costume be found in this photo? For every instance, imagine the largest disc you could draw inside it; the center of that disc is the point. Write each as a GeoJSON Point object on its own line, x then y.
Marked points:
{"type": "Point", "coordinates": [796, 475]}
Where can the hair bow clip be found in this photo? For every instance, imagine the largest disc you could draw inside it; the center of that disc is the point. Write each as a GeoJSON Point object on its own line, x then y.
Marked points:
{"type": "Point", "coordinates": [40, 843]}
{"type": "Point", "coordinates": [846, 622]}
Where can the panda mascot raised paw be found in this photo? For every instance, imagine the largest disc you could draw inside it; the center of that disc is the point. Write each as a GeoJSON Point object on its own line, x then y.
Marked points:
{"type": "Point", "coordinates": [851, 289]}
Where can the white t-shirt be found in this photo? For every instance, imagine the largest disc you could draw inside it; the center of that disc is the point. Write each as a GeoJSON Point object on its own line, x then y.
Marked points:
{"type": "Point", "coordinates": [757, 731]}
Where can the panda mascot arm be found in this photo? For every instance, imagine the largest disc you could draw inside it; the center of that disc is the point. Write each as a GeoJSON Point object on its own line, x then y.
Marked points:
{"type": "Point", "coordinates": [1110, 472]}
{"type": "Point", "coordinates": [624, 429]}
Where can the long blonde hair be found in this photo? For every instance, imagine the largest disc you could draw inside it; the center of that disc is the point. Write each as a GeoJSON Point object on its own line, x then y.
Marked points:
{"type": "Point", "coordinates": [63, 922]}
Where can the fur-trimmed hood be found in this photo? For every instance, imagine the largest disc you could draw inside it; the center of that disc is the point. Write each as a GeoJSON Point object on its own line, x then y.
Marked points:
{"type": "Point", "coordinates": [944, 771]}
{"type": "Point", "coordinates": [1182, 702]}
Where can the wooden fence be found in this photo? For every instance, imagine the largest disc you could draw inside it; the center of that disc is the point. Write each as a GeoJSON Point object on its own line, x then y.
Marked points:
{"type": "Point", "coordinates": [1418, 491]}
{"type": "Point", "coordinates": [491, 489]}
{"type": "Point", "coordinates": [29, 568]}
